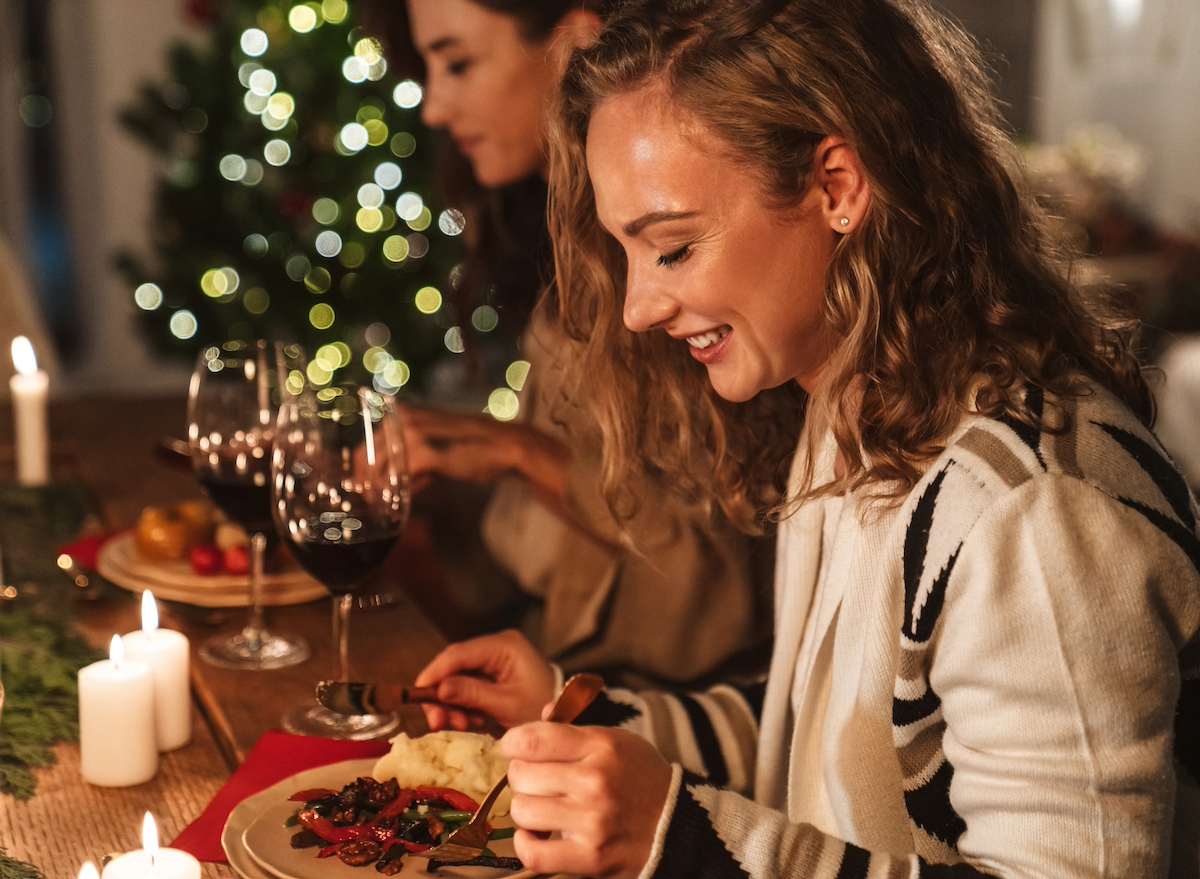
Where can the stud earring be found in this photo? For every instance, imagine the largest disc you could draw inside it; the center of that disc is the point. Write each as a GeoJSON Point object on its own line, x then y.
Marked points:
{"type": "Point", "coordinates": [845, 221]}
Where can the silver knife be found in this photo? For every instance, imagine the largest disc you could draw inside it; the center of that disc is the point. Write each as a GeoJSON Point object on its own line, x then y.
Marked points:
{"type": "Point", "coordinates": [352, 697]}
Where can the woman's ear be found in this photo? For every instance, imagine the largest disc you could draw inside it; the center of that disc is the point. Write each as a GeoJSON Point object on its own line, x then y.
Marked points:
{"type": "Point", "coordinates": [845, 190]}
{"type": "Point", "coordinates": [576, 29]}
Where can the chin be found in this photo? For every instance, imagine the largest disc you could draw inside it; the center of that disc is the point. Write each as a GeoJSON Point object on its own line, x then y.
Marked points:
{"type": "Point", "coordinates": [733, 391]}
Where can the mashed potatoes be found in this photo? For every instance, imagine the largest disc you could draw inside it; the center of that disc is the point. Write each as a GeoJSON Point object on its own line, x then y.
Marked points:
{"type": "Point", "coordinates": [467, 762]}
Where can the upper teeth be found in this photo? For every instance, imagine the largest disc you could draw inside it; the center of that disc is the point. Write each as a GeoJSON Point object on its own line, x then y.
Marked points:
{"type": "Point", "coordinates": [710, 338]}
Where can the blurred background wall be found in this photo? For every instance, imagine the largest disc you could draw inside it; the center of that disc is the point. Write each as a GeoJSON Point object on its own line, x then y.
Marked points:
{"type": "Point", "coordinates": [75, 187]}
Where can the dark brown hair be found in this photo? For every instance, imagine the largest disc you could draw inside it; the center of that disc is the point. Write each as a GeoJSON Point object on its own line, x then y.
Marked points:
{"type": "Point", "coordinates": [948, 297]}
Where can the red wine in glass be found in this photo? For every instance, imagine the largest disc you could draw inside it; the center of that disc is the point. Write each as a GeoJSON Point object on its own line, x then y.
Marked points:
{"type": "Point", "coordinates": [231, 422]}
{"type": "Point", "coordinates": [340, 498]}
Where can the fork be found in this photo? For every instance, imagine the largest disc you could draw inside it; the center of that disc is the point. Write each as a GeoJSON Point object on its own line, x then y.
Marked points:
{"type": "Point", "coordinates": [469, 841]}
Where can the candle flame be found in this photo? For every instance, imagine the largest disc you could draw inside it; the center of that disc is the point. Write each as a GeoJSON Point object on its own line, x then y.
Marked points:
{"type": "Point", "coordinates": [149, 612]}
{"type": "Point", "coordinates": [116, 651]}
{"type": "Point", "coordinates": [88, 871]}
{"type": "Point", "coordinates": [149, 836]}
{"type": "Point", "coordinates": [23, 357]}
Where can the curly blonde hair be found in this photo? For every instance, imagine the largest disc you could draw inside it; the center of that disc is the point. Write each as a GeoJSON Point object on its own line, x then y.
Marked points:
{"type": "Point", "coordinates": [950, 296]}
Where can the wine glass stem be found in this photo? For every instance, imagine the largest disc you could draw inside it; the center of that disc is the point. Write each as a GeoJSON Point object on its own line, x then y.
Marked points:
{"type": "Point", "coordinates": [341, 636]}
{"type": "Point", "coordinates": [258, 547]}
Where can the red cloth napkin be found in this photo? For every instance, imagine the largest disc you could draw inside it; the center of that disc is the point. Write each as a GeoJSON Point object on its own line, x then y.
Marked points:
{"type": "Point", "coordinates": [274, 757]}
{"type": "Point", "coordinates": [86, 552]}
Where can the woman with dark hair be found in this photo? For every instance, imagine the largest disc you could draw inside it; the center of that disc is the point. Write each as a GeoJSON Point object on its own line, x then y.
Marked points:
{"type": "Point", "coordinates": [986, 659]}
{"type": "Point", "coordinates": [677, 600]}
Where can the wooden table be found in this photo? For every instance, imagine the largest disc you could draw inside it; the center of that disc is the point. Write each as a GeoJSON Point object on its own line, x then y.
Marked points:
{"type": "Point", "coordinates": [109, 446]}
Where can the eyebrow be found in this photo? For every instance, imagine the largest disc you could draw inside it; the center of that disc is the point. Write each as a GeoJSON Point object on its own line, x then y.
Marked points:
{"type": "Point", "coordinates": [443, 43]}
{"type": "Point", "coordinates": [634, 227]}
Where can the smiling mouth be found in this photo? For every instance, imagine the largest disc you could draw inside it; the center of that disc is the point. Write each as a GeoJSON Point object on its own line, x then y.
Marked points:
{"type": "Point", "coordinates": [703, 340]}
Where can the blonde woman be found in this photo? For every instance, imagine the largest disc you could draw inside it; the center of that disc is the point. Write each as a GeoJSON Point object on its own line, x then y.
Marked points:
{"type": "Point", "coordinates": [986, 657]}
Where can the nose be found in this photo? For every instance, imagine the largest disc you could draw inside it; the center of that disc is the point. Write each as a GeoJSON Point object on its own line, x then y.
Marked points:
{"type": "Point", "coordinates": [647, 306]}
{"type": "Point", "coordinates": [435, 110]}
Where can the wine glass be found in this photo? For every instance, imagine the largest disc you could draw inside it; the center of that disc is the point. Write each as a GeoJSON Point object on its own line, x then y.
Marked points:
{"type": "Point", "coordinates": [231, 425]}
{"type": "Point", "coordinates": [340, 491]}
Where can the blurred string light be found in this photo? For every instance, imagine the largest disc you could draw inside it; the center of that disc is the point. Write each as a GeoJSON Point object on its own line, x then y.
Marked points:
{"type": "Point", "coordinates": [452, 222]}
{"type": "Point", "coordinates": [148, 297]}
{"type": "Point", "coordinates": [254, 42]}
{"type": "Point", "coordinates": [503, 404]}
{"type": "Point", "coordinates": [517, 374]}
{"type": "Point", "coordinates": [277, 152]}
{"type": "Point", "coordinates": [255, 246]}
{"type": "Point", "coordinates": [304, 17]}
{"type": "Point", "coordinates": [353, 138]}
{"type": "Point", "coordinates": [395, 249]}
{"type": "Point", "coordinates": [485, 319]}
{"type": "Point", "coordinates": [183, 324]}
{"type": "Point", "coordinates": [329, 243]}
{"type": "Point", "coordinates": [409, 206]}
{"type": "Point", "coordinates": [403, 145]}
{"type": "Point", "coordinates": [407, 94]}
{"type": "Point", "coordinates": [335, 11]}
{"type": "Point", "coordinates": [256, 300]}
{"type": "Point", "coordinates": [428, 300]}
{"type": "Point", "coordinates": [326, 211]}
{"type": "Point", "coordinates": [321, 316]}
{"type": "Point", "coordinates": [370, 195]}
{"type": "Point", "coordinates": [219, 282]}
{"type": "Point", "coordinates": [454, 340]}
{"type": "Point", "coordinates": [418, 245]}
{"type": "Point", "coordinates": [422, 220]}
{"type": "Point", "coordinates": [388, 176]}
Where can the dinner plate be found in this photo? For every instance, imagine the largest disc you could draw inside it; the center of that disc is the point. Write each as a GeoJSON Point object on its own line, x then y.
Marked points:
{"type": "Point", "coordinates": [120, 563]}
{"type": "Point", "coordinates": [256, 831]}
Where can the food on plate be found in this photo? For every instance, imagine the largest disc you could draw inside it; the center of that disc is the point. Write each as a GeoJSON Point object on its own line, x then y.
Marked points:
{"type": "Point", "coordinates": [373, 822]}
{"type": "Point", "coordinates": [229, 535]}
{"type": "Point", "coordinates": [235, 560]}
{"type": "Point", "coordinates": [206, 560]}
{"type": "Point", "coordinates": [167, 534]}
{"type": "Point", "coordinates": [467, 762]}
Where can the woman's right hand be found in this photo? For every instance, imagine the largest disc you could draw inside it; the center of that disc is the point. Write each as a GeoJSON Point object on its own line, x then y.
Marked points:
{"type": "Point", "coordinates": [499, 675]}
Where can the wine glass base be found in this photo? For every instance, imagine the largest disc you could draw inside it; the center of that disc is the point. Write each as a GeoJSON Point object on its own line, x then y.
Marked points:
{"type": "Point", "coordinates": [262, 653]}
{"type": "Point", "coordinates": [314, 719]}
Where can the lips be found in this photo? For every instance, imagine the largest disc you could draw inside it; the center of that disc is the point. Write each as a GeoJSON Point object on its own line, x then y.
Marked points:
{"type": "Point", "coordinates": [468, 145]}
{"type": "Point", "coordinates": [709, 347]}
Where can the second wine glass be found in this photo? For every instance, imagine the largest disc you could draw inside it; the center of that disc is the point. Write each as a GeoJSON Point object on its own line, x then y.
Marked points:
{"type": "Point", "coordinates": [340, 491]}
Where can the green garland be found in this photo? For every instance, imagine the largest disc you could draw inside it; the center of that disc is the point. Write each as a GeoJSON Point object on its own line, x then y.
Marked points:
{"type": "Point", "coordinates": [40, 661]}
{"type": "Point", "coordinates": [11, 868]}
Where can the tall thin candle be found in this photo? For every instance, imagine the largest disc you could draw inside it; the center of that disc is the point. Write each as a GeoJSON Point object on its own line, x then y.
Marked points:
{"type": "Point", "coordinates": [29, 387]}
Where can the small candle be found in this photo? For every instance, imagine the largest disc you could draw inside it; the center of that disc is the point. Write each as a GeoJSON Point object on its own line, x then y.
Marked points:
{"type": "Point", "coordinates": [88, 871]}
{"type": "Point", "coordinates": [28, 388]}
{"type": "Point", "coordinates": [153, 862]}
{"type": "Point", "coordinates": [116, 721]}
{"type": "Point", "coordinates": [167, 654]}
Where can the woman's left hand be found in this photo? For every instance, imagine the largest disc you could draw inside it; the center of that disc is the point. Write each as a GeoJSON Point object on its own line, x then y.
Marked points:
{"type": "Point", "coordinates": [603, 790]}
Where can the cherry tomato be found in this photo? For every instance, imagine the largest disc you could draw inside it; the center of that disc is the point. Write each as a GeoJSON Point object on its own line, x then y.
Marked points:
{"type": "Point", "coordinates": [236, 560]}
{"type": "Point", "coordinates": [206, 559]}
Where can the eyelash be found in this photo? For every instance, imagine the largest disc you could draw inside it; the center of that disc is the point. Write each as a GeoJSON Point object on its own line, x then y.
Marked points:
{"type": "Point", "coordinates": [669, 260]}
{"type": "Point", "coordinates": [458, 68]}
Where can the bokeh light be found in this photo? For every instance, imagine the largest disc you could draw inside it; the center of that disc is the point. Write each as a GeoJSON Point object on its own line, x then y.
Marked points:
{"type": "Point", "coordinates": [378, 334]}
{"type": "Point", "coordinates": [318, 280]}
{"type": "Point", "coordinates": [395, 248]}
{"type": "Point", "coordinates": [428, 300]}
{"type": "Point", "coordinates": [297, 266]}
{"type": "Point", "coordinates": [452, 222]}
{"type": "Point", "coordinates": [232, 167]}
{"type": "Point", "coordinates": [355, 70]}
{"type": "Point", "coordinates": [255, 104]}
{"type": "Point", "coordinates": [263, 82]}
{"type": "Point", "coordinates": [369, 219]}
{"type": "Point", "coordinates": [354, 137]}
{"type": "Point", "coordinates": [368, 49]}
{"type": "Point", "coordinates": [255, 246]}
{"type": "Point", "coordinates": [407, 94]}
{"type": "Point", "coordinates": [256, 300]}
{"type": "Point", "coordinates": [388, 175]}
{"type": "Point", "coordinates": [454, 340]}
{"type": "Point", "coordinates": [517, 374]}
{"type": "Point", "coordinates": [335, 11]}
{"type": "Point", "coordinates": [302, 18]}
{"type": "Point", "coordinates": [329, 244]}
{"type": "Point", "coordinates": [418, 245]}
{"type": "Point", "coordinates": [485, 319]}
{"type": "Point", "coordinates": [246, 71]}
{"type": "Point", "coordinates": [503, 404]}
{"type": "Point", "coordinates": [254, 173]}
{"type": "Point", "coordinates": [254, 42]}
{"type": "Point", "coordinates": [321, 316]}
{"type": "Point", "coordinates": [281, 106]}
{"type": "Point", "coordinates": [377, 132]}
{"type": "Point", "coordinates": [404, 145]}
{"type": "Point", "coordinates": [326, 211]}
{"type": "Point", "coordinates": [148, 296]}
{"type": "Point", "coordinates": [353, 254]}
{"type": "Point", "coordinates": [421, 221]}
{"type": "Point", "coordinates": [277, 152]}
{"type": "Point", "coordinates": [396, 374]}
{"type": "Point", "coordinates": [409, 206]}
{"type": "Point", "coordinates": [376, 359]}
{"type": "Point", "coordinates": [370, 195]}
{"type": "Point", "coordinates": [183, 324]}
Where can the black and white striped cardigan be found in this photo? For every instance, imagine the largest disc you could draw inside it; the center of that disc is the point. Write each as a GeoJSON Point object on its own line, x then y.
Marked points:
{"type": "Point", "coordinates": [1044, 595]}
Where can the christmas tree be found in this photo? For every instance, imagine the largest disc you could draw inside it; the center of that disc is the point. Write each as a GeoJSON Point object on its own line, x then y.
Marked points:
{"type": "Point", "coordinates": [296, 199]}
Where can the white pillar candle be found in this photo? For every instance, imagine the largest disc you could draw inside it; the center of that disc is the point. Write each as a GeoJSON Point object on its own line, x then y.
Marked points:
{"type": "Point", "coordinates": [153, 862]}
{"type": "Point", "coordinates": [88, 871]}
{"type": "Point", "coordinates": [29, 388]}
{"type": "Point", "coordinates": [116, 721]}
{"type": "Point", "coordinates": [167, 654]}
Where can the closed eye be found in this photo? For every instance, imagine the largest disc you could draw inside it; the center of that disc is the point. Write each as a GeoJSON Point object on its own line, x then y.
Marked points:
{"type": "Point", "coordinates": [667, 260]}
{"type": "Point", "coordinates": [458, 68]}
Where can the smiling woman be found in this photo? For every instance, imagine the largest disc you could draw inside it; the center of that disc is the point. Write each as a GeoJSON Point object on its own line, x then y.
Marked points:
{"type": "Point", "coordinates": [753, 194]}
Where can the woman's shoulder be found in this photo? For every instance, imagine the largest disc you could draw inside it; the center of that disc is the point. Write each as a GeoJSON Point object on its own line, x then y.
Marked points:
{"type": "Point", "coordinates": [1088, 437]}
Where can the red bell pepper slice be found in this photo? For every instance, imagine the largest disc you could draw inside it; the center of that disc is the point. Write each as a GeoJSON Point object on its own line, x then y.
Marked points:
{"type": "Point", "coordinates": [330, 832]}
{"type": "Point", "coordinates": [457, 799]}
{"type": "Point", "coordinates": [398, 805]}
{"type": "Point", "coordinates": [330, 850]}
